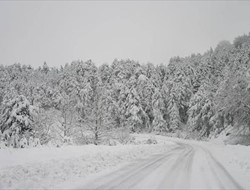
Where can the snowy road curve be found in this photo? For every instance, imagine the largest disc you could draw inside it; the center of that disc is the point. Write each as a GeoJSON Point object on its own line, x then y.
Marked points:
{"type": "Point", "coordinates": [185, 166]}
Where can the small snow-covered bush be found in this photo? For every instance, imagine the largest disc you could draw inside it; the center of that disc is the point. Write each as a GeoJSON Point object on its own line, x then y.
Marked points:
{"type": "Point", "coordinates": [122, 136]}
{"type": "Point", "coordinates": [111, 142]}
{"type": "Point", "coordinates": [31, 142]}
{"type": "Point", "coordinates": [13, 141]}
{"type": "Point", "coordinates": [3, 144]}
{"type": "Point", "coordinates": [34, 142]}
{"type": "Point", "coordinates": [151, 140]}
{"type": "Point", "coordinates": [54, 143]}
{"type": "Point", "coordinates": [23, 142]}
{"type": "Point", "coordinates": [37, 142]}
{"type": "Point", "coordinates": [84, 138]}
{"type": "Point", "coordinates": [67, 140]}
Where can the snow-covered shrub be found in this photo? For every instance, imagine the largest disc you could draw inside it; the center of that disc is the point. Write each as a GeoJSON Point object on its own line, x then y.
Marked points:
{"type": "Point", "coordinates": [83, 137]}
{"type": "Point", "coordinates": [37, 142]}
{"type": "Point", "coordinates": [2, 145]}
{"type": "Point", "coordinates": [113, 142]}
{"type": "Point", "coordinates": [131, 140]}
{"type": "Point", "coordinates": [110, 142]}
{"type": "Point", "coordinates": [67, 140]}
{"type": "Point", "coordinates": [54, 143]}
{"type": "Point", "coordinates": [23, 142]}
{"type": "Point", "coordinates": [34, 142]}
{"type": "Point", "coordinates": [2, 141]}
{"type": "Point", "coordinates": [122, 135]}
{"type": "Point", "coordinates": [151, 140]}
{"type": "Point", "coordinates": [13, 140]}
{"type": "Point", "coordinates": [31, 142]}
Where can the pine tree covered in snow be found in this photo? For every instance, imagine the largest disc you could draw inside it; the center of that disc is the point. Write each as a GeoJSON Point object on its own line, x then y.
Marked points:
{"type": "Point", "coordinates": [145, 90]}
{"type": "Point", "coordinates": [159, 124]}
{"type": "Point", "coordinates": [132, 106]}
{"type": "Point", "coordinates": [176, 92]}
{"type": "Point", "coordinates": [17, 117]}
{"type": "Point", "coordinates": [201, 111]}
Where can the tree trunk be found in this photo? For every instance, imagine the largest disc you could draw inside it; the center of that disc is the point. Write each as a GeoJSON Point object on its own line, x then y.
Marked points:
{"type": "Point", "coordinates": [96, 132]}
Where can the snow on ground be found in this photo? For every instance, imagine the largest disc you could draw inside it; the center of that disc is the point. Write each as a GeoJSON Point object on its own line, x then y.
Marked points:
{"type": "Point", "coordinates": [236, 160]}
{"type": "Point", "coordinates": [46, 167]}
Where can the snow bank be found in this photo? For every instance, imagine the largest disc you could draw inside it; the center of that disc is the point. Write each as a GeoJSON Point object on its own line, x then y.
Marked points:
{"type": "Point", "coordinates": [233, 136]}
{"type": "Point", "coordinates": [46, 167]}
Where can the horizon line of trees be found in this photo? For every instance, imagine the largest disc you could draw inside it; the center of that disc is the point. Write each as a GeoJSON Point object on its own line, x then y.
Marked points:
{"type": "Point", "coordinates": [201, 94]}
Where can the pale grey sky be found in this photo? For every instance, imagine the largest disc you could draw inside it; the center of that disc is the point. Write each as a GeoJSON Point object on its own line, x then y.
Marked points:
{"type": "Point", "coordinates": [146, 31]}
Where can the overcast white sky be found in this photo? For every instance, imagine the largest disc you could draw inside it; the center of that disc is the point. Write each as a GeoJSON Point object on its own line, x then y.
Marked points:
{"type": "Point", "coordinates": [146, 31]}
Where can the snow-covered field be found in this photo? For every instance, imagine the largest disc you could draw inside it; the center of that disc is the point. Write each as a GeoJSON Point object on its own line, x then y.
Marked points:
{"type": "Point", "coordinates": [46, 167]}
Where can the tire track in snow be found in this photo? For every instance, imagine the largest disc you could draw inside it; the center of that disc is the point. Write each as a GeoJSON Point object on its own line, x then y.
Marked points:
{"type": "Point", "coordinates": [223, 176]}
{"type": "Point", "coordinates": [177, 177]}
{"type": "Point", "coordinates": [186, 166]}
{"type": "Point", "coordinates": [136, 172]}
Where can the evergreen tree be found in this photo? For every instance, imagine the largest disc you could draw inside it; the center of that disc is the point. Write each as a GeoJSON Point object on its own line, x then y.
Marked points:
{"type": "Point", "coordinates": [17, 117]}
{"type": "Point", "coordinates": [201, 110]}
{"type": "Point", "coordinates": [159, 123]}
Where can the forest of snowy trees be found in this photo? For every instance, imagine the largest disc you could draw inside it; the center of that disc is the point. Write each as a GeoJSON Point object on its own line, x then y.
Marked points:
{"type": "Point", "coordinates": [199, 95]}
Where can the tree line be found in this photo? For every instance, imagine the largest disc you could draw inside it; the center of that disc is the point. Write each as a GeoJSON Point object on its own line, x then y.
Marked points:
{"type": "Point", "coordinates": [199, 95]}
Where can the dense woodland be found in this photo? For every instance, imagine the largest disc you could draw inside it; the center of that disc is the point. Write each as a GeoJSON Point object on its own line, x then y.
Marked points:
{"type": "Point", "coordinates": [199, 96]}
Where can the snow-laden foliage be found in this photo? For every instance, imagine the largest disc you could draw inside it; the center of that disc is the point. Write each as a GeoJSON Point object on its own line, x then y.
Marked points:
{"type": "Point", "coordinates": [201, 93]}
{"type": "Point", "coordinates": [17, 118]}
{"type": "Point", "coordinates": [201, 110]}
{"type": "Point", "coordinates": [159, 124]}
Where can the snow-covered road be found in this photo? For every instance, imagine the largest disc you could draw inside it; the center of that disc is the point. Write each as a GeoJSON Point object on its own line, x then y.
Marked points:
{"type": "Point", "coordinates": [185, 166]}
{"type": "Point", "coordinates": [171, 164]}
